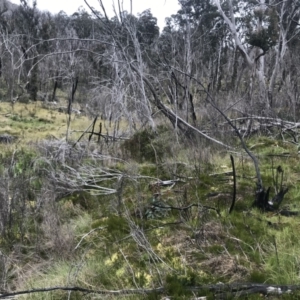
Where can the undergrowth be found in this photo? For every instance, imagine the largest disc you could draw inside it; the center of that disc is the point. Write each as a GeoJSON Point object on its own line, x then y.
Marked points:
{"type": "Point", "coordinates": [63, 235]}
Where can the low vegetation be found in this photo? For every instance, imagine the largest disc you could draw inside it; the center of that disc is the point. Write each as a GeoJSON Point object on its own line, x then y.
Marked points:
{"type": "Point", "coordinates": [139, 162]}
{"type": "Point", "coordinates": [143, 214]}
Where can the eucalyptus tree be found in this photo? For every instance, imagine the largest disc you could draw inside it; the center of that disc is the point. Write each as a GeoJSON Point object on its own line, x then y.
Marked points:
{"type": "Point", "coordinates": [83, 24]}
{"type": "Point", "coordinates": [26, 23]}
{"type": "Point", "coordinates": [47, 30]}
{"type": "Point", "coordinates": [204, 31]}
{"type": "Point", "coordinates": [259, 30]}
{"type": "Point", "coordinates": [286, 55]}
{"type": "Point", "coordinates": [126, 40]}
{"type": "Point", "coordinates": [9, 50]}
{"type": "Point", "coordinates": [147, 29]}
{"type": "Point", "coordinates": [10, 54]}
{"type": "Point", "coordinates": [133, 88]}
{"type": "Point", "coordinates": [193, 44]}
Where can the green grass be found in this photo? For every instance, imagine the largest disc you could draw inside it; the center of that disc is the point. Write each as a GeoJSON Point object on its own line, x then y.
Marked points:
{"type": "Point", "coordinates": [112, 245]}
{"type": "Point", "coordinates": [33, 121]}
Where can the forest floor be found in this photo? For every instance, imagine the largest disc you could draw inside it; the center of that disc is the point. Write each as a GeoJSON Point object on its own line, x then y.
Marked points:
{"type": "Point", "coordinates": [144, 218]}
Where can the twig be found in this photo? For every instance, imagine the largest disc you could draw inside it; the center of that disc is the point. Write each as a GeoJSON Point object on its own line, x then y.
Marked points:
{"type": "Point", "coordinates": [85, 235]}
{"type": "Point", "coordinates": [187, 207]}
{"type": "Point", "coordinates": [131, 269]}
{"type": "Point", "coordinates": [276, 251]}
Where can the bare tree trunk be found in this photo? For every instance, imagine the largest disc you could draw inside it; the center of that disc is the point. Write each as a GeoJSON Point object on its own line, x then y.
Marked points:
{"type": "Point", "coordinates": [54, 90]}
{"type": "Point", "coordinates": [254, 63]}
{"type": "Point", "coordinates": [280, 50]}
{"type": "Point", "coordinates": [70, 103]}
{"type": "Point", "coordinates": [188, 62]}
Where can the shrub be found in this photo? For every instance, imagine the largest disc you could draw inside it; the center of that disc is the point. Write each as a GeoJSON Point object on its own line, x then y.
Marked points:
{"type": "Point", "coordinates": [146, 145]}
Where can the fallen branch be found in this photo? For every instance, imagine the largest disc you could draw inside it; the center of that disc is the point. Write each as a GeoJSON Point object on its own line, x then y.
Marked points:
{"type": "Point", "coordinates": [266, 123]}
{"type": "Point", "coordinates": [83, 290]}
{"type": "Point", "coordinates": [228, 173]}
{"type": "Point", "coordinates": [166, 182]}
{"type": "Point", "coordinates": [236, 290]}
{"type": "Point", "coordinates": [187, 207]}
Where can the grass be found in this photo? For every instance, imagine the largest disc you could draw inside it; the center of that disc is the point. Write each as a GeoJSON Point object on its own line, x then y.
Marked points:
{"type": "Point", "coordinates": [34, 121]}
{"type": "Point", "coordinates": [110, 244]}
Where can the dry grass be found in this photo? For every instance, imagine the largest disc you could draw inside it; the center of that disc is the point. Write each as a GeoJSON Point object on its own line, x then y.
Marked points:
{"type": "Point", "coordinates": [213, 247]}
{"type": "Point", "coordinates": [35, 121]}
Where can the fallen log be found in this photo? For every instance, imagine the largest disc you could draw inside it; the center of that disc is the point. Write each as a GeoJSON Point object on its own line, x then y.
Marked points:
{"type": "Point", "coordinates": [225, 291]}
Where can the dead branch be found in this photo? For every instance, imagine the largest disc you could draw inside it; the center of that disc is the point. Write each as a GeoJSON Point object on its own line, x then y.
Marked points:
{"type": "Point", "coordinates": [235, 289]}
{"type": "Point", "coordinates": [266, 123]}
{"type": "Point", "coordinates": [93, 127]}
{"type": "Point", "coordinates": [83, 290]}
{"type": "Point", "coordinates": [172, 116]}
{"type": "Point", "coordinates": [105, 136]}
{"type": "Point", "coordinates": [84, 132]}
{"type": "Point", "coordinates": [276, 121]}
{"type": "Point", "coordinates": [228, 173]}
{"type": "Point", "coordinates": [188, 207]}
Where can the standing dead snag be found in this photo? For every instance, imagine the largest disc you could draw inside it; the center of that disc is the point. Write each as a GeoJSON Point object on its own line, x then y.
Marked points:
{"type": "Point", "coordinates": [234, 184]}
{"type": "Point", "coordinates": [262, 196]}
{"type": "Point", "coordinates": [70, 102]}
{"type": "Point", "coordinates": [278, 198]}
{"type": "Point", "coordinates": [262, 199]}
